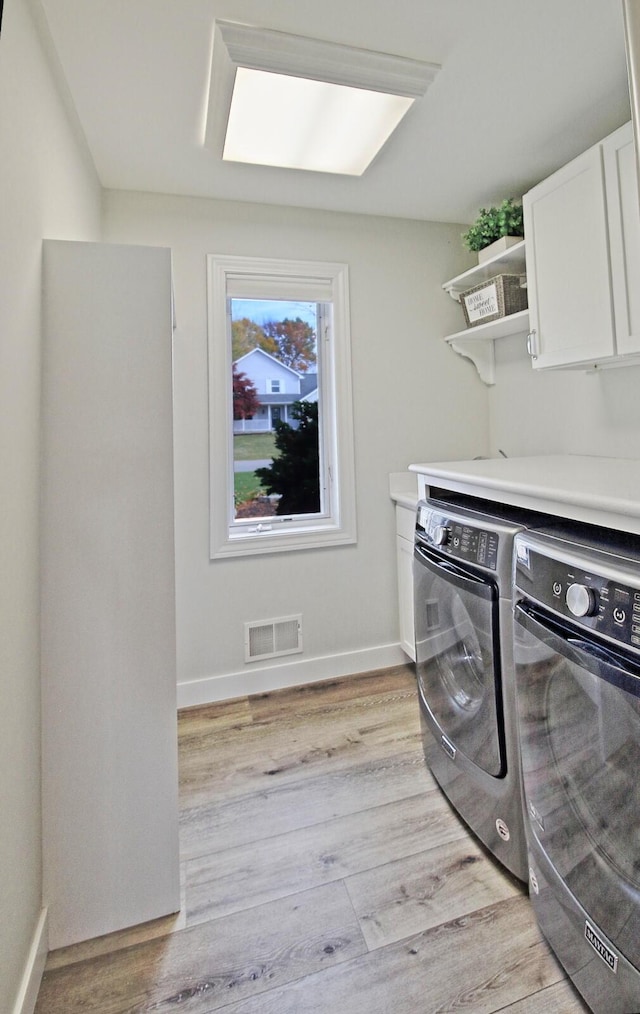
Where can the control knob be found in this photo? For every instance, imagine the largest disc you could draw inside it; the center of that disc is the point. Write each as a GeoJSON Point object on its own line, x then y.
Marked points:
{"type": "Point", "coordinates": [581, 600]}
{"type": "Point", "coordinates": [441, 535]}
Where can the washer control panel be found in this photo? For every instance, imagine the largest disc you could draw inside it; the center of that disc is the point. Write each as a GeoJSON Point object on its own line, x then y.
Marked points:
{"type": "Point", "coordinates": [596, 602]}
{"type": "Point", "coordinates": [454, 538]}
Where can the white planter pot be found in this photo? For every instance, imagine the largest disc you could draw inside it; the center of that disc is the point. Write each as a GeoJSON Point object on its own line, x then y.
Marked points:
{"type": "Point", "coordinates": [497, 247]}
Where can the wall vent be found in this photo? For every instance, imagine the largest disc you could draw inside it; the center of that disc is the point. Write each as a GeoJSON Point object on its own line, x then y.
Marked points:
{"type": "Point", "coordinates": [272, 638]}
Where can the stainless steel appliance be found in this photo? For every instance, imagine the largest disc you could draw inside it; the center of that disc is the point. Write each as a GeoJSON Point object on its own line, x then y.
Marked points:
{"type": "Point", "coordinates": [464, 638]}
{"type": "Point", "coordinates": [577, 654]}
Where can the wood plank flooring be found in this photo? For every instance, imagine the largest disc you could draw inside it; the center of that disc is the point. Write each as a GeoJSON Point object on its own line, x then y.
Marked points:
{"type": "Point", "coordinates": [323, 872]}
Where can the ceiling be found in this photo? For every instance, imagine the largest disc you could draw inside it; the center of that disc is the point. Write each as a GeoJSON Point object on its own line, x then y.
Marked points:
{"type": "Point", "coordinates": [525, 85]}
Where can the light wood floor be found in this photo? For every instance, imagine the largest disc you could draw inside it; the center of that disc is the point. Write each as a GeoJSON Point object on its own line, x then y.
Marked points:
{"type": "Point", "coordinates": [323, 871]}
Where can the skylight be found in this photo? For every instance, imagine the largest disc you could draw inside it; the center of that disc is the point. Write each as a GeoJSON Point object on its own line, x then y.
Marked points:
{"type": "Point", "coordinates": [282, 100]}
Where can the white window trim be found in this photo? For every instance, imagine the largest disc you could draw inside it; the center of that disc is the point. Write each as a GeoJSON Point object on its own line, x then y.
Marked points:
{"type": "Point", "coordinates": [338, 525]}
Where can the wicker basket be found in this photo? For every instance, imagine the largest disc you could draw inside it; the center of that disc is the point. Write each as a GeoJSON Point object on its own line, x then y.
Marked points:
{"type": "Point", "coordinates": [495, 298]}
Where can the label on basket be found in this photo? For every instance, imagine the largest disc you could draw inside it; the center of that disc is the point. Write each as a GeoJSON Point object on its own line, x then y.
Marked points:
{"type": "Point", "coordinates": [483, 303]}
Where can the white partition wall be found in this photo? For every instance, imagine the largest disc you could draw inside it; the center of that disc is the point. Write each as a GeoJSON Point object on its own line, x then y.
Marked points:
{"type": "Point", "coordinates": [110, 812]}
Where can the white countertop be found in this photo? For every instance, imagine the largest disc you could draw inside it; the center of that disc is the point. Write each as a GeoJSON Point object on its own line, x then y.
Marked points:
{"type": "Point", "coordinates": [403, 489]}
{"type": "Point", "coordinates": [601, 491]}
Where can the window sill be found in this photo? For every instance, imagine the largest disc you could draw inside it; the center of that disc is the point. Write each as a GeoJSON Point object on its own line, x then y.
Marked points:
{"type": "Point", "coordinates": [250, 544]}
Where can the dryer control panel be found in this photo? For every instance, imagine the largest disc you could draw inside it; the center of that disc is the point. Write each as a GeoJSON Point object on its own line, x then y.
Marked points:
{"type": "Point", "coordinates": [454, 538]}
{"type": "Point", "coordinates": [595, 601]}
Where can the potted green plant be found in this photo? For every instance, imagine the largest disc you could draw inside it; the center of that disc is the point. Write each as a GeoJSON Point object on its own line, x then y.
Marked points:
{"type": "Point", "coordinates": [495, 229]}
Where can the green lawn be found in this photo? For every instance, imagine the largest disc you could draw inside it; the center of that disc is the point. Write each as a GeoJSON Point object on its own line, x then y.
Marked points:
{"type": "Point", "coordinates": [245, 486]}
{"type": "Point", "coordinates": [254, 446]}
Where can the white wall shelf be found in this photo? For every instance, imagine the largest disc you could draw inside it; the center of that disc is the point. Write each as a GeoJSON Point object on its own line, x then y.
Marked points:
{"type": "Point", "coordinates": [476, 343]}
{"type": "Point", "coordinates": [509, 262]}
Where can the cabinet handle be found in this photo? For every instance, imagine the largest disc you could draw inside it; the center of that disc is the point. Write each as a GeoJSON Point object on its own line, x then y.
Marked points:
{"type": "Point", "coordinates": [532, 344]}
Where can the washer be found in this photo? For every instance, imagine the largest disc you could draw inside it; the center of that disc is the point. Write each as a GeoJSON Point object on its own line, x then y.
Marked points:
{"type": "Point", "coordinates": [577, 654]}
{"type": "Point", "coordinates": [464, 664]}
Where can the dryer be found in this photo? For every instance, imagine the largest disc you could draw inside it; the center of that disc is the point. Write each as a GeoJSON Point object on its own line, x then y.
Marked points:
{"type": "Point", "coordinates": [464, 665]}
{"type": "Point", "coordinates": [577, 656]}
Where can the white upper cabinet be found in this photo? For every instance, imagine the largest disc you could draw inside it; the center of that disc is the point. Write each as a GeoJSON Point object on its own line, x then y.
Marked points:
{"type": "Point", "coordinates": [583, 253]}
{"type": "Point", "coordinates": [624, 236]}
{"type": "Point", "coordinates": [565, 222]}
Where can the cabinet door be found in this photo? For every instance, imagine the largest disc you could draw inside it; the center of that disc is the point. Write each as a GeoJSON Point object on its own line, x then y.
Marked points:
{"type": "Point", "coordinates": [570, 304]}
{"type": "Point", "coordinates": [109, 747]}
{"type": "Point", "coordinates": [405, 528]}
{"type": "Point", "coordinates": [405, 596]}
{"type": "Point", "coordinates": [624, 236]}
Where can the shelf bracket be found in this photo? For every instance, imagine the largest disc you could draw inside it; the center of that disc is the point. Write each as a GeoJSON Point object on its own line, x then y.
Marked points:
{"type": "Point", "coordinates": [481, 354]}
{"type": "Point", "coordinates": [453, 292]}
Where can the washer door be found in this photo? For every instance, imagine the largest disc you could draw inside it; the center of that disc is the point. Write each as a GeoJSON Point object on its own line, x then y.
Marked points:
{"type": "Point", "coordinates": [579, 711]}
{"type": "Point", "coordinates": [457, 659]}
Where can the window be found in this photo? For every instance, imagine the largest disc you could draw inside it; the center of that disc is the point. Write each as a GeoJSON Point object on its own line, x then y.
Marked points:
{"type": "Point", "coordinates": [279, 388]}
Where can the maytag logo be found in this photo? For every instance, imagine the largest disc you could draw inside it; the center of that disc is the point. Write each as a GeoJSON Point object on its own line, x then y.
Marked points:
{"type": "Point", "coordinates": [448, 747]}
{"type": "Point", "coordinates": [600, 947]}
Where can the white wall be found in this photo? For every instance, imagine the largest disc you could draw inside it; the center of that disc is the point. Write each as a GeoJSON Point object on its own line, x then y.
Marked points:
{"type": "Point", "coordinates": [48, 189]}
{"type": "Point", "coordinates": [562, 411]}
{"type": "Point", "coordinates": [414, 399]}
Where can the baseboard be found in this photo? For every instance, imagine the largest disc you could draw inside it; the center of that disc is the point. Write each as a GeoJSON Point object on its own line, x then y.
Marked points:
{"type": "Point", "coordinates": [34, 967]}
{"type": "Point", "coordinates": [256, 680]}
